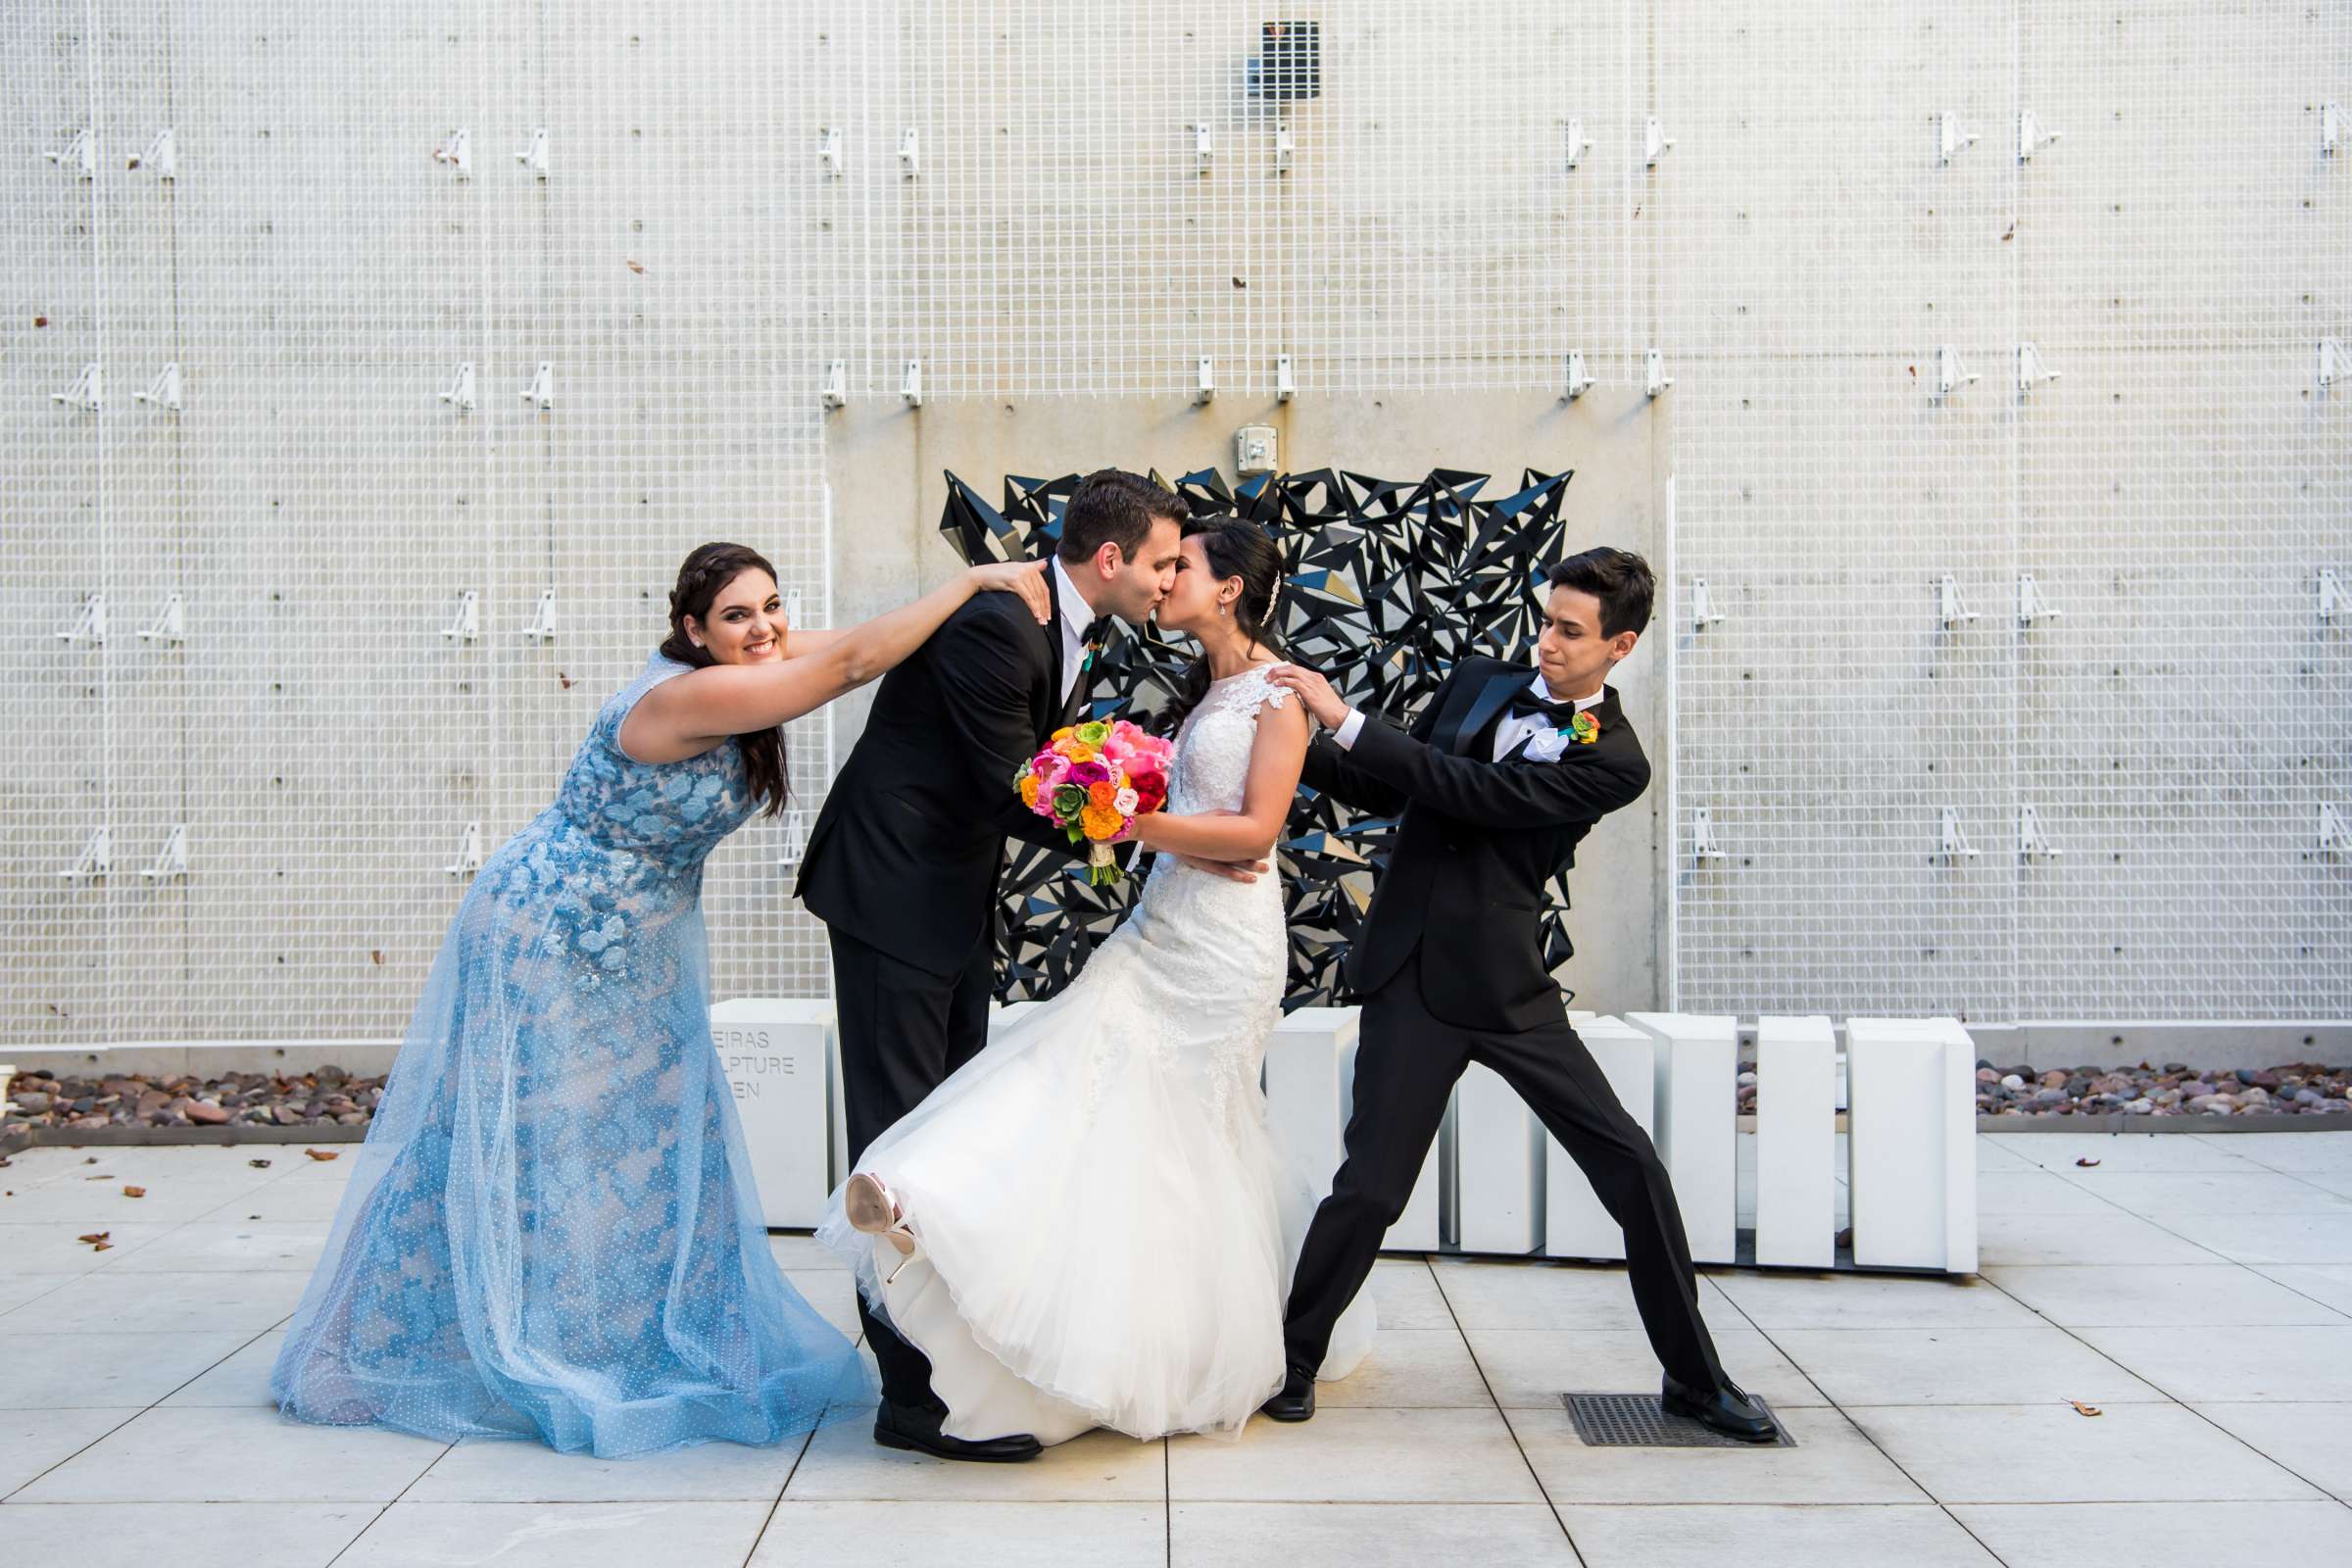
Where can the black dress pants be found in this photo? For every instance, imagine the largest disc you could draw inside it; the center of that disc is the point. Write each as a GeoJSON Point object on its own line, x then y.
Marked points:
{"type": "Point", "coordinates": [1406, 1062]}
{"type": "Point", "coordinates": [903, 1030]}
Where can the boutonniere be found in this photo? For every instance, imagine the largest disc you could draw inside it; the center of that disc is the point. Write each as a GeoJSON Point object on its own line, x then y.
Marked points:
{"type": "Point", "coordinates": [1583, 729]}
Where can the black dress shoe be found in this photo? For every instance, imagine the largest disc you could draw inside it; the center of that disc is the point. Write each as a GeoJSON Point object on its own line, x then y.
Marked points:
{"type": "Point", "coordinates": [1295, 1401]}
{"type": "Point", "coordinates": [1727, 1410]}
{"type": "Point", "coordinates": [900, 1426]}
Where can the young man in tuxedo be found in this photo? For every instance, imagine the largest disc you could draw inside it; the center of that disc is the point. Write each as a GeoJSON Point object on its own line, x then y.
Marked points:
{"type": "Point", "coordinates": [903, 861]}
{"type": "Point", "coordinates": [1507, 770]}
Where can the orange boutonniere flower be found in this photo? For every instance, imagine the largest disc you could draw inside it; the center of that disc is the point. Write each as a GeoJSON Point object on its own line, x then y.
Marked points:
{"type": "Point", "coordinates": [1583, 729]}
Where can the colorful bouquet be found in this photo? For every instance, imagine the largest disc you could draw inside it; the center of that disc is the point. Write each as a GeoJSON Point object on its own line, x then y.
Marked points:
{"type": "Point", "coordinates": [1093, 781]}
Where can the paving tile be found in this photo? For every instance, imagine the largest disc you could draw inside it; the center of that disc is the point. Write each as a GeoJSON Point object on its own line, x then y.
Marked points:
{"type": "Point", "coordinates": [2314, 1441]}
{"type": "Point", "coordinates": [2050, 1452]}
{"type": "Point", "coordinates": [1531, 1368]}
{"type": "Point", "coordinates": [2017, 1365]}
{"type": "Point", "coordinates": [1770, 1536]}
{"type": "Point", "coordinates": [55, 1246]}
{"type": "Point", "coordinates": [576, 1535]}
{"type": "Point", "coordinates": [228, 1247]}
{"type": "Point", "coordinates": [2328, 1284]}
{"type": "Point", "coordinates": [2161, 1196]}
{"type": "Point", "coordinates": [2124, 1152]}
{"type": "Point", "coordinates": [2267, 1238]}
{"type": "Point", "coordinates": [1410, 1535]}
{"type": "Point", "coordinates": [237, 1455]}
{"type": "Point", "coordinates": [186, 1535]}
{"type": "Point", "coordinates": [486, 1470]}
{"type": "Point", "coordinates": [1355, 1455]}
{"type": "Point", "coordinates": [2129, 1535]}
{"type": "Point", "coordinates": [110, 1302]}
{"type": "Point", "coordinates": [2109, 1236]}
{"type": "Point", "coordinates": [1554, 1295]}
{"type": "Point", "coordinates": [107, 1371]}
{"type": "Point", "coordinates": [2173, 1296]}
{"type": "Point", "coordinates": [1775, 1302]}
{"type": "Point", "coordinates": [2245, 1363]}
{"type": "Point", "coordinates": [33, 1440]}
{"type": "Point", "coordinates": [1832, 1462]}
{"type": "Point", "coordinates": [1410, 1368]}
{"type": "Point", "coordinates": [982, 1535]}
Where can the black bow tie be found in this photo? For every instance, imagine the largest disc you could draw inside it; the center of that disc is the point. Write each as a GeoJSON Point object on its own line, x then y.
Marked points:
{"type": "Point", "coordinates": [1096, 630]}
{"type": "Point", "coordinates": [1527, 705]}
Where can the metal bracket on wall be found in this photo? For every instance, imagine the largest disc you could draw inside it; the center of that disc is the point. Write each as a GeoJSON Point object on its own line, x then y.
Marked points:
{"type": "Point", "coordinates": [162, 157]}
{"type": "Point", "coordinates": [1285, 381]}
{"type": "Point", "coordinates": [1952, 841]}
{"type": "Point", "coordinates": [1704, 846]}
{"type": "Point", "coordinates": [829, 153]}
{"type": "Point", "coordinates": [459, 393]}
{"type": "Point", "coordinates": [90, 625]}
{"type": "Point", "coordinates": [2031, 606]}
{"type": "Point", "coordinates": [2332, 127]}
{"type": "Point", "coordinates": [1286, 147]}
{"type": "Point", "coordinates": [534, 156]}
{"type": "Point", "coordinates": [172, 625]}
{"type": "Point", "coordinates": [2335, 833]}
{"type": "Point", "coordinates": [1654, 141]}
{"type": "Point", "coordinates": [469, 852]}
{"type": "Point", "coordinates": [2031, 369]}
{"type": "Point", "coordinates": [911, 384]}
{"type": "Point", "coordinates": [1654, 379]}
{"type": "Point", "coordinates": [96, 860]}
{"type": "Point", "coordinates": [80, 155]}
{"type": "Point", "coordinates": [1948, 606]}
{"type": "Point", "coordinates": [2335, 364]}
{"type": "Point", "coordinates": [1579, 143]}
{"type": "Point", "coordinates": [540, 394]}
{"type": "Point", "coordinates": [1950, 136]}
{"type": "Point", "coordinates": [1580, 379]}
{"type": "Point", "coordinates": [1703, 613]}
{"type": "Point", "coordinates": [2032, 135]}
{"type": "Point", "coordinates": [1949, 376]}
{"type": "Point", "coordinates": [1203, 148]}
{"type": "Point", "coordinates": [457, 153]}
{"type": "Point", "coordinates": [542, 617]}
{"type": "Point", "coordinates": [2331, 594]}
{"type": "Point", "coordinates": [2032, 841]}
{"type": "Point", "coordinates": [1204, 385]}
{"type": "Point", "coordinates": [173, 859]}
{"type": "Point", "coordinates": [87, 393]}
{"type": "Point", "coordinates": [835, 393]}
{"type": "Point", "coordinates": [468, 627]}
{"type": "Point", "coordinates": [163, 390]}
{"type": "Point", "coordinates": [796, 838]}
{"type": "Point", "coordinates": [911, 153]}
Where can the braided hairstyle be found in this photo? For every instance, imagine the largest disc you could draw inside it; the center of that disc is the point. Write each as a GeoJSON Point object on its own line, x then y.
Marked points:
{"type": "Point", "coordinates": [707, 572]}
{"type": "Point", "coordinates": [1241, 549]}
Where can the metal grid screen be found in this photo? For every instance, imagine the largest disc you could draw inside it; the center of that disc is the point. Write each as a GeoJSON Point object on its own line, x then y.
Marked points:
{"type": "Point", "coordinates": [1032, 198]}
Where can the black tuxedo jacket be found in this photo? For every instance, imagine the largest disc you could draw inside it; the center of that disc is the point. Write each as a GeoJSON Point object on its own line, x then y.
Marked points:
{"type": "Point", "coordinates": [906, 854]}
{"type": "Point", "coordinates": [1477, 842]}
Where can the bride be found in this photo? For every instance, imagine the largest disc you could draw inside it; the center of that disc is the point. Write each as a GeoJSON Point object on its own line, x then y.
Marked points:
{"type": "Point", "coordinates": [1088, 1224]}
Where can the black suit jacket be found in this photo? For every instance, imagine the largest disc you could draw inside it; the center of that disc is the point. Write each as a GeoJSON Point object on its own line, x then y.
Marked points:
{"type": "Point", "coordinates": [907, 853]}
{"type": "Point", "coordinates": [1477, 842]}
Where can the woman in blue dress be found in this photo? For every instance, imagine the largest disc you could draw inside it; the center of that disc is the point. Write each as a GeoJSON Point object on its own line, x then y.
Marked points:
{"type": "Point", "coordinates": [552, 1230]}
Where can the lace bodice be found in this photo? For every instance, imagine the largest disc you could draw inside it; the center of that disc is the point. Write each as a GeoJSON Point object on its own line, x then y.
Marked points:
{"type": "Point", "coordinates": [1214, 741]}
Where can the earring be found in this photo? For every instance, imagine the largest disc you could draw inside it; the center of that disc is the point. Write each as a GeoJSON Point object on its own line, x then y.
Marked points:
{"type": "Point", "coordinates": [1224, 609]}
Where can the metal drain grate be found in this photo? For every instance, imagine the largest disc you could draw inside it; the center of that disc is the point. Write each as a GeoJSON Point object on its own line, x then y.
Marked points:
{"type": "Point", "coordinates": [1638, 1421]}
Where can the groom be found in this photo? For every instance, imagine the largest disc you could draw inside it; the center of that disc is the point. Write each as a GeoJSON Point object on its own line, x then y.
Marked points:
{"type": "Point", "coordinates": [1504, 773]}
{"type": "Point", "coordinates": [903, 861]}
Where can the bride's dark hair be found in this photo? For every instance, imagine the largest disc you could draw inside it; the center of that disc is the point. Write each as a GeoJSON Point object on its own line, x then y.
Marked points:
{"type": "Point", "coordinates": [709, 568]}
{"type": "Point", "coordinates": [1234, 550]}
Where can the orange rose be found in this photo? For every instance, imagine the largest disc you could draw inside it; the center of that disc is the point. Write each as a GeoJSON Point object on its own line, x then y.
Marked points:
{"type": "Point", "coordinates": [1103, 794]}
{"type": "Point", "coordinates": [1029, 790]}
{"type": "Point", "coordinates": [1101, 822]}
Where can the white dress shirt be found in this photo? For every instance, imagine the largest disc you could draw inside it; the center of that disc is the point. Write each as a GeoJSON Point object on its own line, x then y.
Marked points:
{"type": "Point", "coordinates": [1076, 616]}
{"type": "Point", "coordinates": [1507, 735]}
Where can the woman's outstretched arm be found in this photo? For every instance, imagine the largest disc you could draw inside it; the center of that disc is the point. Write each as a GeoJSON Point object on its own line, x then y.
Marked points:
{"type": "Point", "coordinates": [689, 715]}
{"type": "Point", "coordinates": [1249, 834]}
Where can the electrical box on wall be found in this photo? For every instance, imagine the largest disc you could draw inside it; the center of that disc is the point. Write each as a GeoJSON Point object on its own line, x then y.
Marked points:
{"type": "Point", "coordinates": [1253, 450]}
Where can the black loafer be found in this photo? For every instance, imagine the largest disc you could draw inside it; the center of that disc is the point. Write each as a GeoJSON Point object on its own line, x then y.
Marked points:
{"type": "Point", "coordinates": [1727, 1410]}
{"type": "Point", "coordinates": [1295, 1401]}
{"type": "Point", "coordinates": [899, 1426]}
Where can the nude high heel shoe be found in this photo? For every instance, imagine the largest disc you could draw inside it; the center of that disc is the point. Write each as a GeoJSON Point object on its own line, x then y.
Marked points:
{"type": "Point", "coordinates": [873, 1209]}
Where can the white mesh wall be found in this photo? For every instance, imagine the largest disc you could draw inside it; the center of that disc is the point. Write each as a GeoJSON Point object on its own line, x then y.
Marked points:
{"type": "Point", "coordinates": [319, 268]}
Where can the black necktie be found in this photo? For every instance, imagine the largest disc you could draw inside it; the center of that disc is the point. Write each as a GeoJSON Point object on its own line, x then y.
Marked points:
{"type": "Point", "coordinates": [1527, 705]}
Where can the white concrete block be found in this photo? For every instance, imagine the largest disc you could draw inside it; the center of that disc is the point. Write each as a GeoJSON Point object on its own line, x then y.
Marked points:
{"type": "Point", "coordinates": [1575, 1225]}
{"type": "Point", "coordinates": [777, 1054]}
{"type": "Point", "coordinates": [1797, 1142]}
{"type": "Point", "coordinates": [1307, 1068]}
{"type": "Point", "coordinates": [1696, 1058]}
{"type": "Point", "coordinates": [1913, 1145]}
{"type": "Point", "coordinates": [1498, 1167]}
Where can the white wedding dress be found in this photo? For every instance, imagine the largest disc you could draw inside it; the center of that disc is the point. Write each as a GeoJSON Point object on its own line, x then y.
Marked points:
{"type": "Point", "coordinates": [1107, 1229]}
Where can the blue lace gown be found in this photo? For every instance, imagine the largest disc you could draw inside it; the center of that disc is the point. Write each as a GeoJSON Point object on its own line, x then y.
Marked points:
{"type": "Point", "coordinates": [552, 1230]}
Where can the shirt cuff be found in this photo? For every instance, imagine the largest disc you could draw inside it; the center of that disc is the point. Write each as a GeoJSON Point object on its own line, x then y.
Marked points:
{"type": "Point", "coordinates": [1349, 728]}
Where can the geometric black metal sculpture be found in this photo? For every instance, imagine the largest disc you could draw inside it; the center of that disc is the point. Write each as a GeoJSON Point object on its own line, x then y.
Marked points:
{"type": "Point", "coordinates": [1387, 583]}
